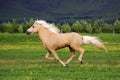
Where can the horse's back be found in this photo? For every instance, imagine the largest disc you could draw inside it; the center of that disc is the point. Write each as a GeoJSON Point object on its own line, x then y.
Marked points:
{"type": "Point", "coordinates": [73, 37]}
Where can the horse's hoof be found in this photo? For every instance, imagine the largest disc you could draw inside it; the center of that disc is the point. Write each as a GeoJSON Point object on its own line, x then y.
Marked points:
{"type": "Point", "coordinates": [66, 65]}
{"type": "Point", "coordinates": [81, 62]}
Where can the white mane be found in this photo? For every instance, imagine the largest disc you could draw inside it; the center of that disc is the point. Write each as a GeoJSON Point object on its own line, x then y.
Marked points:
{"type": "Point", "coordinates": [49, 26]}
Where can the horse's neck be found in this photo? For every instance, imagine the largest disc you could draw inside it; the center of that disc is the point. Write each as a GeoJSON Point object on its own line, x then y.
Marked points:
{"type": "Point", "coordinates": [45, 34]}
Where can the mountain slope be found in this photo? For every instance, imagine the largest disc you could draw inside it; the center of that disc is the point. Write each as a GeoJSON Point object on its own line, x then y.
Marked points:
{"type": "Point", "coordinates": [60, 10]}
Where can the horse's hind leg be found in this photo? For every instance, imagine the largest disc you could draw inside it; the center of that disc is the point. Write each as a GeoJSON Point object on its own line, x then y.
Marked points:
{"type": "Point", "coordinates": [72, 55]}
{"type": "Point", "coordinates": [81, 52]}
{"type": "Point", "coordinates": [47, 56]}
{"type": "Point", "coordinates": [57, 58]}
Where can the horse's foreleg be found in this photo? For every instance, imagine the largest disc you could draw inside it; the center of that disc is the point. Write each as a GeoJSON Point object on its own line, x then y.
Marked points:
{"type": "Point", "coordinates": [72, 55]}
{"type": "Point", "coordinates": [47, 56]}
{"type": "Point", "coordinates": [57, 58]}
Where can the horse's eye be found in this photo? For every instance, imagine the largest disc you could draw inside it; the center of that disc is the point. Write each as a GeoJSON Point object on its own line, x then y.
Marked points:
{"type": "Point", "coordinates": [33, 27]}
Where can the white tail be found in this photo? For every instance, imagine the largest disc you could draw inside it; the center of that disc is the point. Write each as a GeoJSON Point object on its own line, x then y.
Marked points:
{"type": "Point", "coordinates": [94, 41]}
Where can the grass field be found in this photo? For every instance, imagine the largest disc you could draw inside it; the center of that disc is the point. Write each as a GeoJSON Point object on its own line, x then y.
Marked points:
{"type": "Point", "coordinates": [22, 58]}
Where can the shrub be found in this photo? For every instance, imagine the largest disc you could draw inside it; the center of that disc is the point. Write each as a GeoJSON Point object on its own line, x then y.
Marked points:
{"type": "Point", "coordinates": [20, 28]}
{"type": "Point", "coordinates": [116, 26]}
{"type": "Point", "coordinates": [96, 28]}
{"type": "Point", "coordinates": [77, 27]}
{"type": "Point", "coordinates": [14, 24]}
{"type": "Point", "coordinates": [88, 28]}
{"type": "Point", "coordinates": [106, 28]}
{"type": "Point", "coordinates": [8, 27]}
{"type": "Point", "coordinates": [2, 28]}
{"type": "Point", "coordinates": [65, 27]}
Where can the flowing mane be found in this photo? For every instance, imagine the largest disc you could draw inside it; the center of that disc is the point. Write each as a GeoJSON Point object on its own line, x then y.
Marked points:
{"type": "Point", "coordinates": [50, 27]}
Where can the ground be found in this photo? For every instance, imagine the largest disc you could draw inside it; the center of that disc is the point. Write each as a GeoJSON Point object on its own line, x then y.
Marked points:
{"type": "Point", "coordinates": [22, 58]}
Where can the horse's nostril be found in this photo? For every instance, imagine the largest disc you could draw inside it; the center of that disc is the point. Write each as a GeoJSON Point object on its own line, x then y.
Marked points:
{"type": "Point", "coordinates": [28, 32]}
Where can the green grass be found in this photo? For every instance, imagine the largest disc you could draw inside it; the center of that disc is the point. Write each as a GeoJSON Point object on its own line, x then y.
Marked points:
{"type": "Point", "coordinates": [22, 58]}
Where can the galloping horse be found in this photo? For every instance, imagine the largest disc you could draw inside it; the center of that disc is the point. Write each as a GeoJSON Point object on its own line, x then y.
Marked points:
{"type": "Point", "coordinates": [52, 40]}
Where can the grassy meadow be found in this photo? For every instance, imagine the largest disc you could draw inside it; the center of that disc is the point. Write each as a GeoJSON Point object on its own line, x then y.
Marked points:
{"type": "Point", "coordinates": [22, 58]}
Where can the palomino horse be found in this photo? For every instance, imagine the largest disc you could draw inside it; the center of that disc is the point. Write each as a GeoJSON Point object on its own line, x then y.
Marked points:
{"type": "Point", "coordinates": [53, 40]}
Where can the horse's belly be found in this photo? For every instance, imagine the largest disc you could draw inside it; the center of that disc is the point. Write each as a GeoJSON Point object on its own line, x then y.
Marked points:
{"type": "Point", "coordinates": [62, 45]}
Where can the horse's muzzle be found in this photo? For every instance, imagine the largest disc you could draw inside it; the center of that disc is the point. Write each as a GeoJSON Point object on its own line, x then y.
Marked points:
{"type": "Point", "coordinates": [28, 33]}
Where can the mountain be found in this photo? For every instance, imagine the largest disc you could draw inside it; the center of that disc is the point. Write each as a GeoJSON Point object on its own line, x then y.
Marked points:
{"type": "Point", "coordinates": [60, 10]}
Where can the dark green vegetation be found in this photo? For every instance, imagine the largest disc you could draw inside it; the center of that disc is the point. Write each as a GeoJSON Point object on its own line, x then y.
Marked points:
{"type": "Point", "coordinates": [60, 10]}
{"type": "Point", "coordinates": [22, 58]}
{"type": "Point", "coordinates": [78, 26]}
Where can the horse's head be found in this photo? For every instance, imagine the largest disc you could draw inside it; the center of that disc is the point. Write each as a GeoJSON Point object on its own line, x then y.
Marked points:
{"type": "Point", "coordinates": [42, 24]}
{"type": "Point", "coordinates": [33, 29]}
